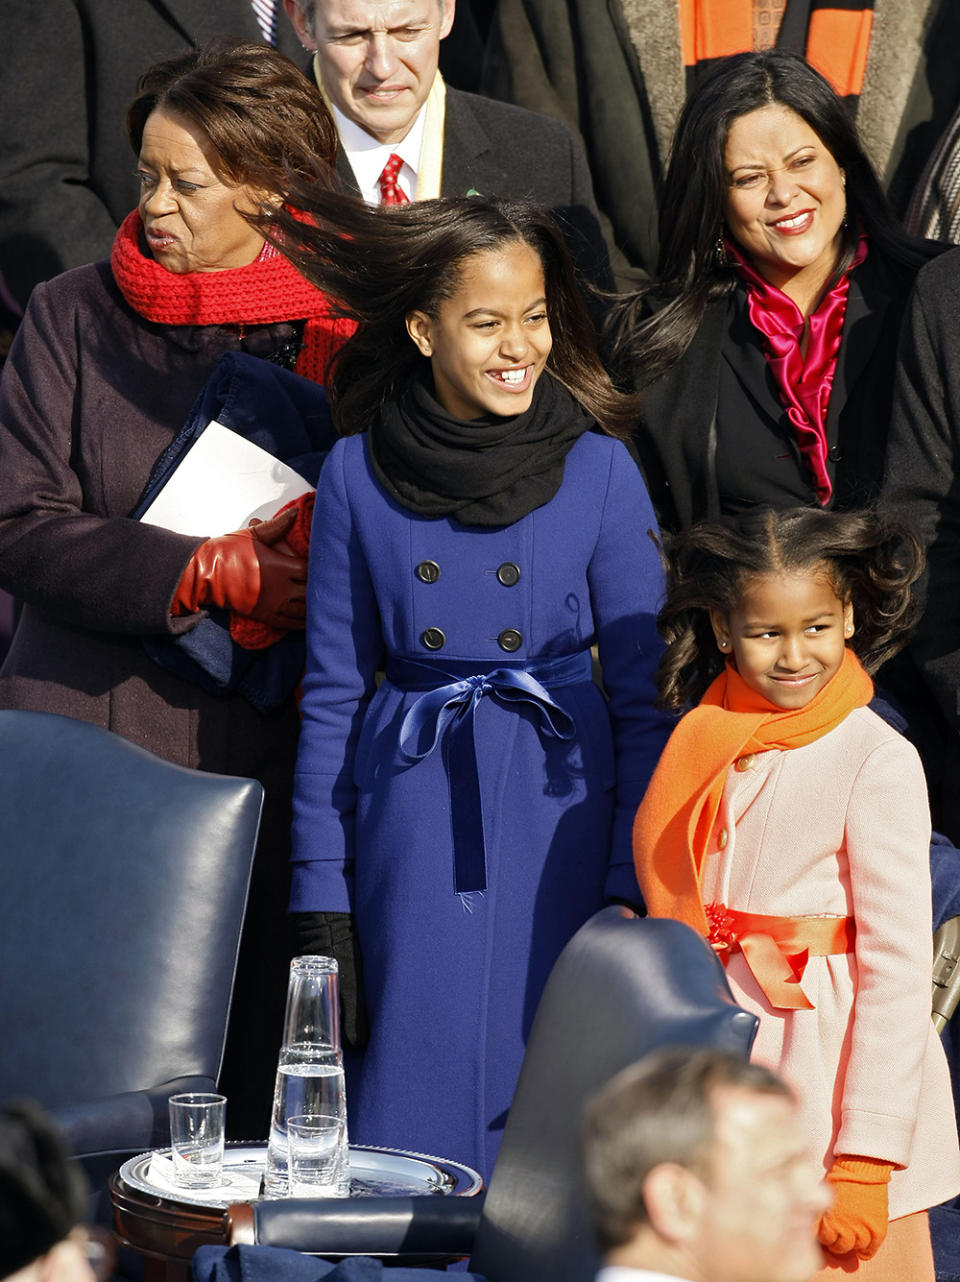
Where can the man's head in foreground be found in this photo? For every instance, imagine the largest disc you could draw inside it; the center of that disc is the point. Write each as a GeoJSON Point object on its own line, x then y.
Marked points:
{"type": "Point", "coordinates": [696, 1166]}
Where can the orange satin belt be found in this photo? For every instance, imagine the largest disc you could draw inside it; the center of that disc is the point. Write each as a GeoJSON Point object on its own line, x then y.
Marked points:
{"type": "Point", "coordinates": [777, 949]}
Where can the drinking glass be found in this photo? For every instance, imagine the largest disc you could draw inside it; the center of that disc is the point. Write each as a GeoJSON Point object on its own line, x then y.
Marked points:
{"type": "Point", "coordinates": [197, 1128]}
{"type": "Point", "coordinates": [315, 1144]}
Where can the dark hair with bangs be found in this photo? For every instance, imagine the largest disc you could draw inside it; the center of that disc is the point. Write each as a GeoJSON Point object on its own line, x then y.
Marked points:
{"type": "Point", "coordinates": [382, 264]}
{"type": "Point", "coordinates": [265, 119]}
{"type": "Point", "coordinates": [870, 561]}
{"type": "Point", "coordinates": [689, 271]}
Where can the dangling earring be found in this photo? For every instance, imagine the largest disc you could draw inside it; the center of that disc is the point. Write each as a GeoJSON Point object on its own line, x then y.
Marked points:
{"type": "Point", "coordinates": [720, 250]}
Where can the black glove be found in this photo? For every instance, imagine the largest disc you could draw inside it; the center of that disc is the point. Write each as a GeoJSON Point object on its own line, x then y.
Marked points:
{"type": "Point", "coordinates": [332, 935]}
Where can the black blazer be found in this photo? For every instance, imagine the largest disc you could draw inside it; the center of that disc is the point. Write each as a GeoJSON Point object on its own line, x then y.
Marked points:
{"type": "Point", "coordinates": [66, 168]}
{"type": "Point", "coordinates": [494, 149]}
{"type": "Point", "coordinates": [724, 374]}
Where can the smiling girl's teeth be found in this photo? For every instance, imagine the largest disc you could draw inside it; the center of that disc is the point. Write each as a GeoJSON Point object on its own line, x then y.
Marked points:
{"type": "Point", "coordinates": [512, 375]}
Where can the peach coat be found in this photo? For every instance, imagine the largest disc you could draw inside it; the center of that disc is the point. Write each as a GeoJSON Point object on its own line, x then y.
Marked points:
{"type": "Point", "coordinates": [841, 827]}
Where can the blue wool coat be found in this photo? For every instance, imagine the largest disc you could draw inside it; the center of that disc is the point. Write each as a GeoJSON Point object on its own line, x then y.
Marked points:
{"type": "Point", "coordinates": [452, 980]}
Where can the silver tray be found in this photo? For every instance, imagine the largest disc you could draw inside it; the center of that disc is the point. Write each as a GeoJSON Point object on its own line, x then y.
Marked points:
{"type": "Point", "coordinates": [374, 1172]}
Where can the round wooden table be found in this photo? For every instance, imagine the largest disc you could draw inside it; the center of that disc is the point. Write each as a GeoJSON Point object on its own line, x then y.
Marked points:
{"type": "Point", "coordinates": [167, 1227]}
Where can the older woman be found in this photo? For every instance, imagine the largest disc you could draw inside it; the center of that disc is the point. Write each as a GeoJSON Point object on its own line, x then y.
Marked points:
{"type": "Point", "coordinates": [766, 349]}
{"type": "Point", "coordinates": [100, 379]}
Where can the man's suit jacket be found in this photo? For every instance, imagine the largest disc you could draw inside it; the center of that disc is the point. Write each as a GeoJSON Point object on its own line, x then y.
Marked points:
{"type": "Point", "coordinates": [66, 168]}
{"type": "Point", "coordinates": [495, 149]}
{"type": "Point", "coordinates": [613, 70]}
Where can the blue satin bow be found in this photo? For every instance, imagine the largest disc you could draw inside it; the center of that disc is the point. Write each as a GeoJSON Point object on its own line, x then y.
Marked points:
{"type": "Point", "coordinates": [448, 710]}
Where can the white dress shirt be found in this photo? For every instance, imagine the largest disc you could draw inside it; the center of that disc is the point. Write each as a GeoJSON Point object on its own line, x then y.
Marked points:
{"type": "Point", "coordinates": [367, 155]}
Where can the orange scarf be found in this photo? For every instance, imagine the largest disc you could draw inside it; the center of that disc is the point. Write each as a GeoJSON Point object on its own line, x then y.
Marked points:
{"type": "Point", "coordinates": [838, 36]}
{"type": "Point", "coordinates": [673, 826]}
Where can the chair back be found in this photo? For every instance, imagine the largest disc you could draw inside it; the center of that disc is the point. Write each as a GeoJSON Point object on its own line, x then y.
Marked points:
{"type": "Point", "coordinates": [623, 986]}
{"type": "Point", "coordinates": [123, 884]}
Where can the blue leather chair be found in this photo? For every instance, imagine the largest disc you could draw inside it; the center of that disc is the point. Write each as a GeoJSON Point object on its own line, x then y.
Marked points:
{"type": "Point", "coordinates": [123, 884]}
{"type": "Point", "coordinates": [622, 987]}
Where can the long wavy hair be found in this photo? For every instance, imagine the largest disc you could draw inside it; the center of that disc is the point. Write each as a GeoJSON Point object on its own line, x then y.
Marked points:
{"type": "Point", "coordinates": [870, 560]}
{"type": "Point", "coordinates": [379, 265]}
{"type": "Point", "coordinates": [689, 271]}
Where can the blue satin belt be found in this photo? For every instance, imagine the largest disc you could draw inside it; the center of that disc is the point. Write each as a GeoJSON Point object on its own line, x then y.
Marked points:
{"type": "Point", "coordinates": [446, 711]}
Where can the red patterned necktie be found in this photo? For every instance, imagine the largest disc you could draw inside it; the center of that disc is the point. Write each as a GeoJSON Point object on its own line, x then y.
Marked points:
{"type": "Point", "coordinates": [391, 193]}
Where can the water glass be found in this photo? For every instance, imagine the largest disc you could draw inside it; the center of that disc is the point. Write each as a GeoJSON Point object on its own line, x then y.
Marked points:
{"type": "Point", "coordinates": [197, 1131]}
{"type": "Point", "coordinates": [315, 1143]}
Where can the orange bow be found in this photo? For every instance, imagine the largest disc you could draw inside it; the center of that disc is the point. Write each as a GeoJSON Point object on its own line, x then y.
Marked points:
{"type": "Point", "coordinates": [777, 949]}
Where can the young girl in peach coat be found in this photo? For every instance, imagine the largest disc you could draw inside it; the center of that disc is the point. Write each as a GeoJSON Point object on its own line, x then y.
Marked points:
{"type": "Point", "coordinates": [789, 824]}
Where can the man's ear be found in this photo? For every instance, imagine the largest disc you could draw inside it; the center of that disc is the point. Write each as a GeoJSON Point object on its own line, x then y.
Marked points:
{"type": "Point", "coordinates": [420, 329]}
{"type": "Point", "coordinates": [448, 13]}
{"type": "Point", "coordinates": [299, 24]}
{"type": "Point", "coordinates": [674, 1198]}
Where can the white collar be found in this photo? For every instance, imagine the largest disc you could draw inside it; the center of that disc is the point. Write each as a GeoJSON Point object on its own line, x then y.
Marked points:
{"type": "Point", "coordinates": [621, 1274]}
{"type": "Point", "coordinates": [367, 155]}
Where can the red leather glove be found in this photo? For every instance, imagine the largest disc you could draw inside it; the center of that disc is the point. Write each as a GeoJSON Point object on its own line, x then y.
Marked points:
{"type": "Point", "coordinates": [251, 572]}
{"type": "Point", "coordinates": [857, 1221]}
{"type": "Point", "coordinates": [246, 631]}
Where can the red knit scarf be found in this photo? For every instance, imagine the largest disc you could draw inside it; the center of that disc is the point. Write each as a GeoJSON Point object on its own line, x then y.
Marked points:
{"type": "Point", "coordinates": [266, 291]}
{"type": "Point", "coordinates": [804, 381]}
{"type": "Point", "coordinates": [675, 821]}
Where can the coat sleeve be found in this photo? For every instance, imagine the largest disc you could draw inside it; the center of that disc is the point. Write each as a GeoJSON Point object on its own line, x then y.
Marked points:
{"type": "Point", "coordinates": [626, 591]}
{"type": "Point", "coordinates": [344, 646]}
{"type": "Point", "coordinates": [888, 844]}
{"type": "Point", "coordinates": [50, 217]}
{"type": "Point", "coordinates": [922, 475]}
{"type": "Point", "coordinates": [82, 567]}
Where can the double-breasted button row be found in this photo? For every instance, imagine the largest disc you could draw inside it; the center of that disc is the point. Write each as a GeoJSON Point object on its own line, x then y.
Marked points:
{"type": "Point", "coordinates": [435, 639]}
{"type": "Point", "coordinates": [508, 573]}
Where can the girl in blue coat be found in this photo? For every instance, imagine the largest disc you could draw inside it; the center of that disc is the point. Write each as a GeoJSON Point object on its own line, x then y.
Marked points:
{"type": "Point", "coordinates": [476, 532]}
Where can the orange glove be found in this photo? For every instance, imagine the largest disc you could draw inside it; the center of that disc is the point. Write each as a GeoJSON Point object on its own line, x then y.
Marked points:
{"type": "Point", "coordinates": [245, 572]}
{"type": "Point", "coordinates": [857, 1221]}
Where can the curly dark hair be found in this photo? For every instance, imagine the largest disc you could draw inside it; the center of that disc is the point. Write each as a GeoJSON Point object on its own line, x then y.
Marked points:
{"type": "Point", "coordinates": [871, 561]}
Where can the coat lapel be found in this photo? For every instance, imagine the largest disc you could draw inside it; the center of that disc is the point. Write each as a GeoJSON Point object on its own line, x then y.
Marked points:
{"type": "Point", "coordinates": [863, 321]}
{"type": "Point", "coordinates": [464, 140]}
{"type": "Point", "coordinates": [346, 174]}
